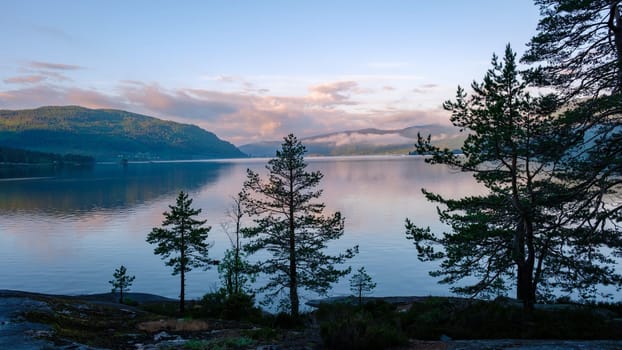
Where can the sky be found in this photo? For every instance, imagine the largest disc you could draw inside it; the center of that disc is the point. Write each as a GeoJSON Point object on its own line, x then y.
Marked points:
{"type": "Point", "coordinates": [257, 69]}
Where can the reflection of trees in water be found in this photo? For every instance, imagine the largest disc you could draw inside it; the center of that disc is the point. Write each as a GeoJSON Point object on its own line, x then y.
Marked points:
{"type": "Point", "coordinates": [104, 187]}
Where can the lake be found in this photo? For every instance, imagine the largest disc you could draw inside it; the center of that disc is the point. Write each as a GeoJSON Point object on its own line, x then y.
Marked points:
{"type": "Point", "coordinates": [66, 230]}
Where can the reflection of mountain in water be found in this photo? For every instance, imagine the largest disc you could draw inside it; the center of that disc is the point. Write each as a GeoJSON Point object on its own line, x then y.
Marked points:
{"type": "Point", "coordinates": [81, 190]}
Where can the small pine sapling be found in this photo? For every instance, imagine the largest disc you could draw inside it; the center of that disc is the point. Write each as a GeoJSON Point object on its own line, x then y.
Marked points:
{"type": "Point", "coordinates": [361, 283]}
{"type": "Point", "coordinates": [121, 281]}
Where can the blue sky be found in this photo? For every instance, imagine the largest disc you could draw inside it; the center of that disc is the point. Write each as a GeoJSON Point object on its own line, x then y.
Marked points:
{"type": "Point", "coordinates": [256, 70]}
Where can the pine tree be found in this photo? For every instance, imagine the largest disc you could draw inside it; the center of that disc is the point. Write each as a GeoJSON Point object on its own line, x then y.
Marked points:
{"type": "Point", "coordinates": [234, 270]}
{"type": "Point", "coordinates": [361, 283]}
{"type": "Point", "coordinates": [291, 226]}
{"type": "Point", "coordinates": [121, 281]}
{"type": "Point", "coordinates": [578, 46]}
{"type": "Point", "coordinates": [531, 228]}
{"type": "Point", "coordinates": [182, 240]}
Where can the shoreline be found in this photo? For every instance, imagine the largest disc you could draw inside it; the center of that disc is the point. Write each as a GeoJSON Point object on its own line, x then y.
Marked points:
{"type": "Point", "coordinates": [18, 331]}
{"type": "Point", "coordinates": [96, 297]}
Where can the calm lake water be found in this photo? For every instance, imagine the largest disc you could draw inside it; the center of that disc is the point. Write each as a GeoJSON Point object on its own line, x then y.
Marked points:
{"type": "Point", "coordinates": [66, 231]}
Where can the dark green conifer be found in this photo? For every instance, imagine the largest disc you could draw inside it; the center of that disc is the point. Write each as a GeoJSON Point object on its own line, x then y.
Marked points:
{"type": "Point", "coordinates": [182, 241]}
{"type": "Point", "coordinates": [291, 226]}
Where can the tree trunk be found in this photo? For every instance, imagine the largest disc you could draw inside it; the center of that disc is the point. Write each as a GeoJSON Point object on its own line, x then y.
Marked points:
{"type": "Point", "coordinates": [524, 287]}
{"type": "Point", "coordinates": [121, 295]}
{"type": "Point", "coordinates": [615, 27]}
{"type": "Point", "coordinates": [182, 293]}
{"type": "Point", "coordinates": [182, 262]}
{"type": "Point", "coordinates": [525, 290]}
{"type": "Point", "coordinates": [293, 286]}
{"type": "Point", "coordinates": [293, 276]}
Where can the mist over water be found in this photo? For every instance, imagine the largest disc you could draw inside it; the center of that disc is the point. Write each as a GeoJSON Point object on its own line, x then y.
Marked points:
{"type": "Point", "coordinates": [65, 231]}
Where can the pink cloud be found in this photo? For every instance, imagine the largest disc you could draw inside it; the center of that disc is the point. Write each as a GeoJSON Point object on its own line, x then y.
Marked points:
{"type": "Point", "coordinates": [425, 88]}
{"type": "Point", "coordinates": [239, 117]}
{"type": "Point", "coordinates": [337, 93]}
{"type": "Point", "coordinates": [53, 66]}
{"type": "Point", "coordinates": [25, 79]}
{"type": "Point", "coordinates": [91, 99]}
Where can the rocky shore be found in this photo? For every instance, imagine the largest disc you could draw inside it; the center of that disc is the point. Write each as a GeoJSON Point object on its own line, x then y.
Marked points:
{"type": "Point", "coordinates": [39, 321]}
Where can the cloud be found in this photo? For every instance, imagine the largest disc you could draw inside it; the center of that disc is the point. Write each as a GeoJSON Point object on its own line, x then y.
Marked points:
{"type": "Point", "coordinates": [92, 99]}
{"type": "Point", "coordinates": [384, 139]}
{"type": "Point", "coordinates": [425, 88]}
{"type": "Point", "coordinates": [184, 103]}
{"type": "Point", "coordinates": [49, 95]}
{"type": "Point", "coordinates": [53, 66]}
{"type": "Point", "coordinates": [39, 77]}
{"type": "Point", "coordinates": [336, 93]}
{"type": "Point", "coordinates": [55, 76]}
{"type": "Point", "coordinates": [30, 97]}
{"type": "Point", "coordinates": [25, 79]}
{"type": "Point", "coordinates": [226, 78]}
{"type": "Point", "coordinates": [240, 117]}
{"type": "Point", "coordinates": [388, 88]}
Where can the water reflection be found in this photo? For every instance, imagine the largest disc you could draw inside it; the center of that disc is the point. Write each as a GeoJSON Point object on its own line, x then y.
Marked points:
{"type": "Point", "coordinates": [77, 226]}
{"type": "Point", "coordinates": [80, 191]}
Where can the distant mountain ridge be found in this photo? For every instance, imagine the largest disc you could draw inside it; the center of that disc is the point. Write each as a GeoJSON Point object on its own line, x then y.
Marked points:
{"type": "Point", "coordinates": [108, 134]}
{"type": "Point", "coordinates": [368, 141]}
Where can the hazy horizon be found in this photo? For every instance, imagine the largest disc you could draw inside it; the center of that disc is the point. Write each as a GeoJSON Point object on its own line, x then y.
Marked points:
{"type": "Point", "coordinates": [255, 71]}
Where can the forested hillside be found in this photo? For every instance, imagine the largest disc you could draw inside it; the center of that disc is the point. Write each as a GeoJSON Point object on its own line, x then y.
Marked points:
{"type": "Point", "coordinates": [108, 135]}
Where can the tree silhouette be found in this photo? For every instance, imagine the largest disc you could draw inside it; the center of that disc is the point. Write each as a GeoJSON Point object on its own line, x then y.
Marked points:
{"type": "Point", "coordinates": [361, 283]}
{"type": "Point", "coordinates": [234, 270]}
{"type": "Point", "coordinates": [291, 226]}
{"type": "Point", "coordinates": [182, 240]}
{"type": "Point", "coordinates": [536, 227]}
{"type": "Point", "coordinates": [121, 281]}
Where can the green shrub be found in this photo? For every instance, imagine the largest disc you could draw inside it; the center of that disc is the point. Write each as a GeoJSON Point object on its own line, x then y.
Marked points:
{"type": "Point", "coordinates": [489, 320]}
{"type": "Point", "coordinates": [213, 304]}
{"type": "Point", "coordinates": [284, 320]}
{"type": "Point", "coordinates": [238, 306]}
{"type": "Point", "coordinates": [373, 326]}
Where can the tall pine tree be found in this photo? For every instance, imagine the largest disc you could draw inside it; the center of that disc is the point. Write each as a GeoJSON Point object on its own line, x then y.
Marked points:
{"type": "Point", "coordinates": [527, 230]}
{"type": "Point", "coordinates": [291, 226]}
{"type": "Point", "coordinates": [578, 48]}
{"type": "Point", "coordinates": [183, 241]}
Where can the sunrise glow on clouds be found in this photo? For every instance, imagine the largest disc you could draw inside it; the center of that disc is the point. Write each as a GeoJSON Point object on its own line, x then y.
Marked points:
{"type": "Point", "coordinates": [252, 71]}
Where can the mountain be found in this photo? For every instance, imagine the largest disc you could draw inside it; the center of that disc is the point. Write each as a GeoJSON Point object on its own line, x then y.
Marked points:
{"type": "Point", "coordinates": [366, 141]}
{"type": "Point", "coordinates": [108, 134]}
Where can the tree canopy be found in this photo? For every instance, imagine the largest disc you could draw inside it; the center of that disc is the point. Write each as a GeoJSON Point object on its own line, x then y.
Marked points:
{"type": "Point", "coordinates": [121, 281]}
{"type": "Point", "coordinates": [182, 241]}
{"type": "Point", "coordinates": [361, 283]}
{"type": "Point", "coordinates": [235, 271]}
{"type": "Point", "coordinates": [578, 46]}
{"type": "Point", "coordinates": [291, 227]}
{"type": "Point", "coordinates": [534, 228]}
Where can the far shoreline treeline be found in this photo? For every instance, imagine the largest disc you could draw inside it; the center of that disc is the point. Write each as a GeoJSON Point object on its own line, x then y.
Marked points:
{"type": "Point", "coordinates": [15, 157]}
